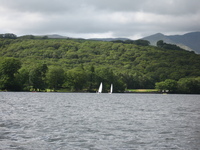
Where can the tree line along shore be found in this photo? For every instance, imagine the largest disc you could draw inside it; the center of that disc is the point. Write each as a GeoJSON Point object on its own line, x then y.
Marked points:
{"type": "Point", "coordinates": [42, 64]}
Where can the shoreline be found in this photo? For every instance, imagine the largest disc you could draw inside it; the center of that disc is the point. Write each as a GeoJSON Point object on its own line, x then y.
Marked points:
{"type": "Point", "coordinates": [125, 92]}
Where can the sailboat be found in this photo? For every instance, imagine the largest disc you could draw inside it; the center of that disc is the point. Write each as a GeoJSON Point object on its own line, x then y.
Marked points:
{"type": "Point", "coordinates": [100, 88]}
{"type": "Point", "coordinates": [111, 88]}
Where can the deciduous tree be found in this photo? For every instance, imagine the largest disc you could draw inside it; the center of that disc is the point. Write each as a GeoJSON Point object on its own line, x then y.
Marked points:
{"type": "Point", "coordinates": [8, 69]}
{"type": "Point", "coordinates": [55, 78]}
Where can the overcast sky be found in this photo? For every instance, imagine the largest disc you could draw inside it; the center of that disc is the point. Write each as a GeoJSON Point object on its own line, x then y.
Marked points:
{"type": "Point", "coordinates": [99, 18]}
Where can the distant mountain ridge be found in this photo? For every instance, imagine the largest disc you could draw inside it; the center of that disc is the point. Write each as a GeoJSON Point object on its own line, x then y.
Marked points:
{"type": "Point", "coordinates": [109, 39]}
{"type": "Point", "coordinates": [56, 36]}
{"type": "Point", "coordinates": [189, 41]}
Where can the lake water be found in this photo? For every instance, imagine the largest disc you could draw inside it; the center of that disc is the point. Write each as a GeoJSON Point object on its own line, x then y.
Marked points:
{"type": "Point", "coordinates": [83, 121]}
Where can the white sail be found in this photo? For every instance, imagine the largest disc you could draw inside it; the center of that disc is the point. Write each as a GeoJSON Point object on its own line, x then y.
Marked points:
{"type": "Point", "coordinates": [111, 88]}
{"type": "Point", "coordinates": [100, 88]}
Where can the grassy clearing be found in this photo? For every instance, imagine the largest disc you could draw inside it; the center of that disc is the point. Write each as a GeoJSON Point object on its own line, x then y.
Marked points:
{"type": "Point", "coordinates": [142, 90]}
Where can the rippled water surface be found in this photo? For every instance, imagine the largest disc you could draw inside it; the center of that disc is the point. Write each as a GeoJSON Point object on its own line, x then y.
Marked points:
{"type": "Point", "coordinates": [75, 121]}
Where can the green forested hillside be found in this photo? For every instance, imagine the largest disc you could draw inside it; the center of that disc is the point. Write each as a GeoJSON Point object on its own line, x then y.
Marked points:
{"type": "Point", "coordinates": [82, 64]}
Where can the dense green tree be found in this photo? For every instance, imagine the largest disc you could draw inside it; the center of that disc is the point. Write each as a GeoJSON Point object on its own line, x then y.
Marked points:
{"type": "Point", "coordinates": [27, 37]}
{"type": "Point", "coordinates": [167, 85]}
{"type": "Point", "coordinates": [23, 79]}
{"type": "Point", "coordinates": [91, 78]}
{"type": "Point", "coordinates": [136, 42]}
{"type": "Point", "coordinates": [118, 84]}
{"type": "Point", "coordinates": [75, 79]}
{"type": "Point", "coordinates": [37, 77]}
{"type": "Point", "coordinates": [8, 70]}
{"type": "Point", "coordinates": [142, 42]}
{"type": "Point", "coordinates": [189, 85]}
{"type": "Point", "coordinates": [160, 43]}
{"type": "Point", "coordinates": [55, 78]}
{"type": "Point", "coordinates": [8, 36]}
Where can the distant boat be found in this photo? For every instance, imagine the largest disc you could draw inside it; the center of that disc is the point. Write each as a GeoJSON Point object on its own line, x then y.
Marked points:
{"type": "Point", "coordinates": [111, 88]}
{"type": "Point", "coordinates": [100, 88]}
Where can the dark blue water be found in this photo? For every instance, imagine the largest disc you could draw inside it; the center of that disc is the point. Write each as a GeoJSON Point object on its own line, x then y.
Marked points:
{"type": "Point", "coordinates": [67, 121]}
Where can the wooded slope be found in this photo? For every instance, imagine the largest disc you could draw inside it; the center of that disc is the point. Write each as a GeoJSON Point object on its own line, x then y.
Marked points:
{"type": "Point", "coordinates": [135, 66]}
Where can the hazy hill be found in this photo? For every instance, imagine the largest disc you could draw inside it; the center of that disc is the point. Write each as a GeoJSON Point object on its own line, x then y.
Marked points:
{"type": "Point", "coordinates": [109, 39]}
{"type": "Point", "coordinates": [192, 40]}
{"type": "Point", "coordinates": [156, 37]}
{"type": "Point", "coordinates": [56, 36]}
{"type": "Point", "coordinates": [189, 41]}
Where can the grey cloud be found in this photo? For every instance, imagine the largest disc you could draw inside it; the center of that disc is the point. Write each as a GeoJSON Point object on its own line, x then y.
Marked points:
{"type": "Point", "coordinates": [155, 6]}
{"type": "Point", "coordinates": [122, 18]}
{"type": "Point", "coordinates": [172, 7]}
{"type": "Point", "coordinates": [42, 6]}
